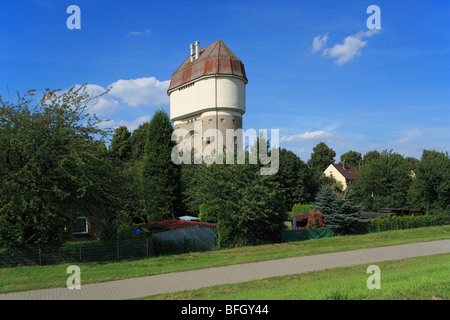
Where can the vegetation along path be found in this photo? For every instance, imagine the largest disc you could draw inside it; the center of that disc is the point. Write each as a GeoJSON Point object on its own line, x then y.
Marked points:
{"type": "Point", "coordinates": [188, 280]}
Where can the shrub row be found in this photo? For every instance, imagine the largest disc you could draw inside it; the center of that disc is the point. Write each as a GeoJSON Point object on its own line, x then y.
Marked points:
{"type": "Point", "coordinates": [400, 222]}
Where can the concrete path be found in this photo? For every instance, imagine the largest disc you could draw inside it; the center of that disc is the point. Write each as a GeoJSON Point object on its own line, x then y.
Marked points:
{"type": "Point", "coordinates": [180, 281]}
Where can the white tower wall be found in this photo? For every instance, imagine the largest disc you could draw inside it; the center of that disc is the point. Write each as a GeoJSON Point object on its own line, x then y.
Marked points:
{"type": "Point", "coordinates": [207, 94]}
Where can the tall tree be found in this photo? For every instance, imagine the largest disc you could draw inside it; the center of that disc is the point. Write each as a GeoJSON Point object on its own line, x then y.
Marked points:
{"type": "Point", "coordinates": [138, 140]}
{"type": "Point", "coordinates": [161, 178]}
{"type": "Point", "coordinates": [295, 178]}
{"type": "Point", "coordinates": [338, 211]}
{"type": "Point", "coordinates": [121, 144]}
{"type": "Point", "coordinates": [430, 189]}
{"type": "Point", "coordinates": [121, 151]}
{"type": "Point", "coordinates": [321, 157]}
{"type": "Point", "coordinates": [383, 182]}
{"type": "Point", "coordinates": [351, 158]}
{"type": "Point", "coordinates": [370, 156]}
{"type": "Point", "coordinates": [249, 207]}
{"type": "Point", "coordinates": [53, 168]}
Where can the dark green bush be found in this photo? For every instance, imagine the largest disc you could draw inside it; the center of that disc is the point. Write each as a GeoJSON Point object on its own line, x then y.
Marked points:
{"type": "Point", "coordinates": [400, 222]}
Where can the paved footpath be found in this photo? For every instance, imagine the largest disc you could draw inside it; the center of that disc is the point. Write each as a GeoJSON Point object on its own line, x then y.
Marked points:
{"type": "Point", "coordinates": [188, 280]}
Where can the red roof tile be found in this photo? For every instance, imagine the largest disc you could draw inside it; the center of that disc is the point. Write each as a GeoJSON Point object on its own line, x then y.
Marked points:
{"type": "Point", "coordinates": [216, 58]}
{"type": "Point", "coordinates": [300, 217]}
{"type": "Point", "coordinates": [350, 171]}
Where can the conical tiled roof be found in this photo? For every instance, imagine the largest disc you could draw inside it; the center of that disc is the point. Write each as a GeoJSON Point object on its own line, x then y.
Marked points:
{"type": "Point", "coordinates": [216, 58]}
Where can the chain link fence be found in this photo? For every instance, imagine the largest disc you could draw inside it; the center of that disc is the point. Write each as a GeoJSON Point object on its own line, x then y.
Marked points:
{"type": "Point", "coordinates": [93, 251]}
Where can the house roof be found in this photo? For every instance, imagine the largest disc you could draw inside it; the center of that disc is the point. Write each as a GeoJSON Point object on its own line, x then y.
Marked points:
{"type": "Point", "coordinates": [214, 59]}
{"type": "Point", "coordinates": [300, 217]}
{"type": "Point", "coordinates": [349, 172]}
{"type": "Point", "coordinates": [174, 224]}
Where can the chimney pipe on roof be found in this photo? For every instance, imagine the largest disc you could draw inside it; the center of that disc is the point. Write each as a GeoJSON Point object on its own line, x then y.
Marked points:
{"type": "Point", "coordinates": [197, 49]}
{"type": "Point", "coordinates": [192, 52]}
{"type": "Point", "coordinates": [343, 164]}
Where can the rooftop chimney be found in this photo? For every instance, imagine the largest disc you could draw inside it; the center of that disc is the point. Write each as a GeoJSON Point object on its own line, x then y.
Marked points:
{"type": "Point", "coordinates": [192, 52]}
{"type": "Point", "coordinates": [343, 164]}
{"type": "Point", "coordinates": [197, 49]}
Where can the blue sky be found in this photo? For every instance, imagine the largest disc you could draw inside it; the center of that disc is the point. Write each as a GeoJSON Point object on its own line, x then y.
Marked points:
{"type": "Point", "coordinates": [316, 72]}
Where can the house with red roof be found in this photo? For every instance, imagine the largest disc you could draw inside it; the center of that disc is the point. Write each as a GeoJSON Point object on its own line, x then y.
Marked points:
{"type": "Point", "coordinates": [343, 173]}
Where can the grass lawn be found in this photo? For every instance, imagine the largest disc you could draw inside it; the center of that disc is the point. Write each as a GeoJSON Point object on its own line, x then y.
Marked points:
{"type": "Point", "coordinates": [39, 277]}
{"type": "Point", "coordinates": [422, 278]}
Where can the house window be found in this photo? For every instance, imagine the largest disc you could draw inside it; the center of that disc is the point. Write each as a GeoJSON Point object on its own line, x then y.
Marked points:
{"type": "Point", "coordinates": [209, 120]}
{"type": "Point", "coordinates": [234, 121]}
{"type": "Point", "coordinates": [80, 226]}
{"type": "Point", "coordinates": [222, 120]}
{"type": "Point", "coordinates": [208, 140]}
{"type": "Point", "coordinates": [331, 173]}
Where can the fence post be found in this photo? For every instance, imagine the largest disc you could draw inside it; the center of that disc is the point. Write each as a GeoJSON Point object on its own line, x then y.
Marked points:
{"type": "Point", "coordinates": [40, 258]}
{"type": "Point", "coordinates": [146, 246]}
{"type": "Point", "coordinates": [80, 252]}
{"type": "Point", "coordinates": [117, 249]}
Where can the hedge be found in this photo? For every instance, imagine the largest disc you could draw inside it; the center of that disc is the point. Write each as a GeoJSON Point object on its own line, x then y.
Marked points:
{"type": "Point", "coordinates": [394, 222]}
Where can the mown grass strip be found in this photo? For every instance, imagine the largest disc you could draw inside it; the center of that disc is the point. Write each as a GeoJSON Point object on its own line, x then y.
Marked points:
{"type": "Point", "coordinates": [422, 278]}
{"type": "Point", "coordinates": [40, 277]}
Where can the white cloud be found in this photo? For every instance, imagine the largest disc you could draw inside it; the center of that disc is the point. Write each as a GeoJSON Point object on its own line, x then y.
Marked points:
{"type": "Point", "coordinates": [131, 125]}
{"type": "Point", "coordinates": [350, 48]}
{"type": "Point", "coordinates": [104, 105]}
{"type": "Point", "coordinates": [124, 94]}
{"type": "Point", "coordinates": [307, 136]}
{"type": "Point", "coordinates": [319, 42]}
{"type": "Point", "coordinates": [141, 91]}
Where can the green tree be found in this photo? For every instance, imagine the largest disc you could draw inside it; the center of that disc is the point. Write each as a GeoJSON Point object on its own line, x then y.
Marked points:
{"type": "Point", "coordinates": [125, 151]}
{"type": "Point", "coordinates": [321, 157]}
{"type": "Point", "coordinates": [53, 168]}
{"type": "Point", "coordinates": [209, 213]}
{"type": "Point", "coordinates": [161, 178]}
{"type": "Point", "coordinates": [338, 211]}
{"type": "Point", "coordinates": [430, 189]}
{"type": "Point", "coordinates": [370, 155]}
{"type": "Point", "coordinates": [121, 144]}
{"type": "Point", "coordinates": [138, 140]}
{"type": "Point", "coordinates": [337, 186]}
{"type": "Point", "coordinates": [192, 177]}
{"type": "Point", "coordinates": [249, 206]}
{"type": "Point", "coordinates": [217, 197]}
{"type": "Point", "coordinates": [383, 182]}
{"type": "Point", "coordinates": [258, 214]}
{"type": "Point", "coordinates": [295, 179]}
{"type": "Point", "coordinates": [351, 158]}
